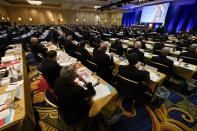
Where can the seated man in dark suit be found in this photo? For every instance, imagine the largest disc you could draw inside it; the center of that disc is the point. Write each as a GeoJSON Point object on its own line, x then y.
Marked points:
{"type": "Point", "coordinates": [81, 49]}
{"type": "Point", "coordinates": [159, 46]}
{"type": "Point", "coordinates": [133, 73]}
{"type": "Point", "coordinates": [70, 47]}
{"type": "Point", "coordinates": [191, 53]}
{"type": "Point", "coordinates": [71, 98]}
{"type": "Point", "coordinates": [37, 48]}
{"type": "Point", "coordinates": [50, 68]}
{"type": "Point", "coordinates": [104, 62]}
{"type": "Point", "coordinates": [117, 45]}
{"type": "Point", "coordinates": [162, 58]}
{"type": "Point", "coordinates": [136, 50]}
{"type": "Point", "coordinates": [62, 39]}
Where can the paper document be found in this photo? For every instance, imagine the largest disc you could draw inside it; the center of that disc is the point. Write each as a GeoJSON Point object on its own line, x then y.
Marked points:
{"type": "Point", "coordinates": [3, 98]}
{"type": "Point", "coordinates": [4, 113]}
{"type": "Point", "coordinates": [115, 59]}
{"type": "Point", "coordinates": [153, 76]}
{"type": "Point", "coordinates": [125, 62]}
{"type": "Point", "coordinates": [101, 91]}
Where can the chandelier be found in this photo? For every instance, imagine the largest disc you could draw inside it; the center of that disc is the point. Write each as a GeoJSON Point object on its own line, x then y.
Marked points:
{"type": "Point", "coordinates": [34, 2]}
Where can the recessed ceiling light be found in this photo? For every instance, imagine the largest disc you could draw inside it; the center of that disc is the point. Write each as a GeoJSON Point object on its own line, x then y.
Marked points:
{"type": "Point", "coordinates": [34, 2]}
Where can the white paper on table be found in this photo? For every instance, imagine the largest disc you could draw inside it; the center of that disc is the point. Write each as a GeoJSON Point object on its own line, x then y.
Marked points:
{"type": "Point", "coordinates": [19, 93]}
{"type": "Point", "coordinates": [125, 62]}
{"type": "Point", "coordinates": [101, 91]}
{"type": "Point", "coordinates": [65, 64]}
{"type": "Point", "coordinates": [5, 81]}
{"type": "Point", "coordinates": [3, 98]}
{"type": "Point", "coordinates": [189, 67]}
{"type": "Point", "coordinates": [11, 87]}
{"type": "Point", "coordinates": [92, 80]}
{"type": "Point", "coordinates": [147, 54]}
{"type": "Point", "coordinates": [82, 84]}
{"type": "Point", "coordinates": [115, 59]}
{"type": "Point", "coordinates": [4, 113]}
{"type": "Point", "coordinates": [150, 68]}
{"type": "Point", "coordinates": [172, 58]}
{"type": "Point", "coordinates": [153, 76]}
{"type": "Point", "coordinates": [8, 58]}
{"type": "Point", "coordinates": [89, 49]}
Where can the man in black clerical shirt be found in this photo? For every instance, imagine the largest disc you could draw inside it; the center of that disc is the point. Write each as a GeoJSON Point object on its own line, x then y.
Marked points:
{"type": "Point", "coordinates": [50, 68]}
{"type": "Point", "coordinates": [136, 50]}
{"type": "Point", "coordinates": [162, 59]}
{"type": "Point", "coordinates": [71, 98]}
{"type": "Point", "coordinates": [37, 48]}
{"type": "Point", "coordinates": [103, 61]}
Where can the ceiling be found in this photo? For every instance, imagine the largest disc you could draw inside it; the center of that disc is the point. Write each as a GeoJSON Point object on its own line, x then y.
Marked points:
{"type": "Point", "coordinates": [81, 4]}
{"type": "Point", "coordinates": [63, 4]}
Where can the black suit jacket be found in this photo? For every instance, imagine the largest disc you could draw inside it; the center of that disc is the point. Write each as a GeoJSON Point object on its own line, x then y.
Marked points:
{"type": "Point", "coordinates": [118, 47]}
{"type": "Point", "coordinates": [70, 48]}
{"type": "Point", "coordinates": [50, 71]}
{"type": "Point", "coordinates": [163, 60]}
{"type": "Point", "coordinates": [104, 63]}
{"type": "Point", "coordinates": [158, 46]}
{"type": "Point", "coordinates": [132, 73]}
{"type": "Point", "coordinates": [85, 53]}
{"type": "Point", "coordinates": [71, 100]}
{"type": "Point", "coordinates": [139, 54]}
{"type": "Point", "coordinates": [190, 54]}
{"type": "Point", "coordinates": [38, 48]}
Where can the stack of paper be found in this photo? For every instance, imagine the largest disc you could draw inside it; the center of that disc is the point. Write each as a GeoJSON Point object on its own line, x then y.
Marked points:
{"type": "Point", "coordinates": [13, 86]}
{"type": "Point", "coordinates": [101, 91]}
{"type": "Point", "coordinates": [8, 59]}
{"type": "Point", "coordinates": [172, 58]}
{"type": "Point", "coordinates": [153, 76]}
{"type": "Point", "coordinates": [3, 98]}
{"type": "Point", "coordinates": [125, 62]}
{"type": "Point", "coordinates": [92, 80]}
{"type": "Point", "coordinates": [115, 59]}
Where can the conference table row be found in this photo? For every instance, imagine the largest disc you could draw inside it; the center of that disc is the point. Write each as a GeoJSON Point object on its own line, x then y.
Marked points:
{"type": "Point", "coordinates": [182, 69]}
{"type": "Point", "coordinates": [16, 103]}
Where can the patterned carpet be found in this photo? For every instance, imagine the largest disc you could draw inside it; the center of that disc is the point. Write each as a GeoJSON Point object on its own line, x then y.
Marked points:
{"type": "Point", "coordinates": [145, 119]}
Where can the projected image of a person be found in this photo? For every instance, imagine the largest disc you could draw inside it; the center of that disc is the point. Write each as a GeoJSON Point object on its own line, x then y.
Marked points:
{"type": "Point", "coordinates": [158, 13]}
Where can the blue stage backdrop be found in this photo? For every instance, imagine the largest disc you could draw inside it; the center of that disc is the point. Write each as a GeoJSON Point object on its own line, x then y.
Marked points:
{"type": "Point", "coordinates": [131, 18]}
{"type": "Point", "coordinates": [179, 18]}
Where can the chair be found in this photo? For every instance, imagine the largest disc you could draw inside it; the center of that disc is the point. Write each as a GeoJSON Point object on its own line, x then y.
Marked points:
{"type": "Point", "coordinates": [161, 68]}
{"type": "Point", "coordinates": [126, 87]}
{"type": "Point", "coordinates": [156, 52]}
{"type": "Point", "coordinates": [189, 60]}
{"type": "Point", "coordinates": [91, 65]}
{"type": "Point", "coordinates": [50, 99]}
{"type": "Point", "coordinates": [79, 57]}
{"type": "Point", "coordinates": [113, 50]}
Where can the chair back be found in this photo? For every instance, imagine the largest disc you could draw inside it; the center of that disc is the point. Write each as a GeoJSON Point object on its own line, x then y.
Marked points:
{"type": "Point", "coordinates": [79, 56]}
{"type": "Point", "coordinates": [127, 87]}
{"type": "Point", "coordinates": [156, 52]}
{"type": "Point", "coordinates": [91, 65]}
{"type": "Point", "coordinates": [50, 99]}
{"type": "Point", "coordinates": [161, 67]}
{"type": "Point", "coordinates": [113, 50]}
{"type": "Point", "coordinates": [189, 60]}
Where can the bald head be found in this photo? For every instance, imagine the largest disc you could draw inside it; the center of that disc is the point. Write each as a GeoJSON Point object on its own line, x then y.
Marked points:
{"type": "Point", "coordinates": [34, 40]}
{"type": "Point", "coordinates": [103, 47]}
{"type": "Point", "coordinates": [137, 45]}
{"type": "Point", "coordinates": [165, 51]}
{"type": "Point", "coordinates": [193, 47]}
{"type": "Point", "coordinates": [63, 35]}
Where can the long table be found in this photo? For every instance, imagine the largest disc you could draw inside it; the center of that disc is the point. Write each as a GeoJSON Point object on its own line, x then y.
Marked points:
{"type": "Point", "coordinates": [23, 118]}
{"type": "Point", "coordinates": [180, 69]}
{"type": "Point", "coordinates": [152, 84]}
{"type": "Point", "coordinates": [106, 105]}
